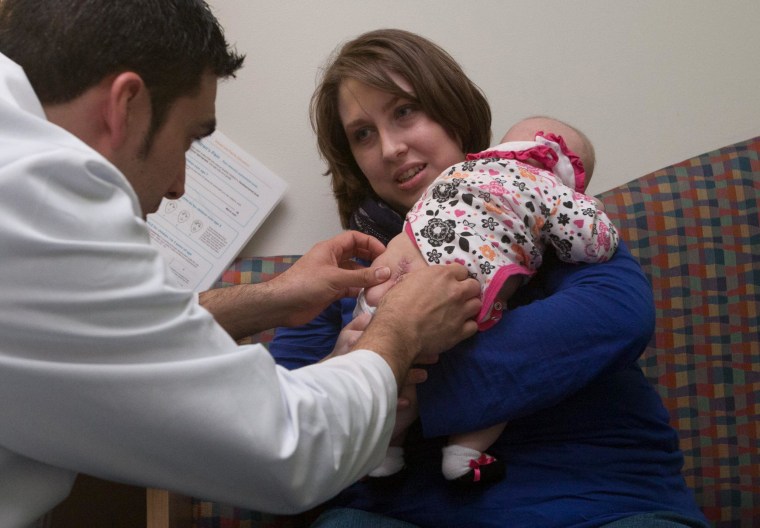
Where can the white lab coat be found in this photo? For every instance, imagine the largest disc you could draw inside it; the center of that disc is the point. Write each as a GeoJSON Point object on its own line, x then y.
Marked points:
{"type": "Point", "coordinates": [107, 369]}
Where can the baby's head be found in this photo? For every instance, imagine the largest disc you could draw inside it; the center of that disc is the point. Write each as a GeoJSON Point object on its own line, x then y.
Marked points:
{"type": "Point", "coordinates": [576, 140]}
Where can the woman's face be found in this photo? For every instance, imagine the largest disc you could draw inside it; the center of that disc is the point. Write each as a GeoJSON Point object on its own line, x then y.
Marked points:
{"type": "Point", "coordinates": [396, 145]}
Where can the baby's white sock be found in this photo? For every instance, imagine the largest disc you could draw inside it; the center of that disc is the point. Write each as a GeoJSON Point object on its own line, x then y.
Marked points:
{"type": "Point", "coordinates": [392, 463]}
{"type": "Point", "coordinates": [456, 460]}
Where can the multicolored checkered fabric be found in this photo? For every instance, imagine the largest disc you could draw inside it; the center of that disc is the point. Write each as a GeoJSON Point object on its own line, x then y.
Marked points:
{"type": "Point", "coordinates": [252, 271]}
{"type": "Point", "coordinates": [207, 514]}
{"type": "Point", "coordinates": [695, 228]}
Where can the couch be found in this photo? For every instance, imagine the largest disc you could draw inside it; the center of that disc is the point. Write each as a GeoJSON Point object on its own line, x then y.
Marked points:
{"type": "Point", "coordinates": [695, 228]}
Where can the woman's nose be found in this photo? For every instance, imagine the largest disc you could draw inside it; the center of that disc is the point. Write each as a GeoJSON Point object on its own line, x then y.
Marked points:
{"type": "Point", "coordinates": [393, 144]}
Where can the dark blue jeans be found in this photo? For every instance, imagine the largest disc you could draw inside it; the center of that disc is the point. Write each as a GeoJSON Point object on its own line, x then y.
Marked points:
{"type": "Point", "coordinates": [657, 520]}
{"type": "Point", "coordinates": [350, 518]}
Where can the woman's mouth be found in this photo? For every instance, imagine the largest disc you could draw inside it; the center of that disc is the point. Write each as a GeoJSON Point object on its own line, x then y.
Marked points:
{"type": "Point", "coordinates": [410, 173]}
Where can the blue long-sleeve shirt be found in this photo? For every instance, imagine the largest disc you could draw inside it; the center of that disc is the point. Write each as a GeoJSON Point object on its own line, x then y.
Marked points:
{"type": "Point", "coordinates": [588, 440]}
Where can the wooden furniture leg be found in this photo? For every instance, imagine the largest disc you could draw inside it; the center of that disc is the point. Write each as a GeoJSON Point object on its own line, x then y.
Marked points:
{"type": "Point", "coordinates": [168, 510]}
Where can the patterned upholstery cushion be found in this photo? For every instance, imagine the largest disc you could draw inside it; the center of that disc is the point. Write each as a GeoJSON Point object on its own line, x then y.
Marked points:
{"type": "Point", "coordinates": [695, 228]}
{"type": "Point", "coordinates": [251, 271]}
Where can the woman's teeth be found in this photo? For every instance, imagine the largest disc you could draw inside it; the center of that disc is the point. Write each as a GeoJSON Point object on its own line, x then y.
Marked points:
{"type": "Point", "coordinates": [408, 175]}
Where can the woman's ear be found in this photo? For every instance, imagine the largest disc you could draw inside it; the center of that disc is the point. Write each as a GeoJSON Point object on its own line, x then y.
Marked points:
{"type": "Point", "coordinates": [127, 110]}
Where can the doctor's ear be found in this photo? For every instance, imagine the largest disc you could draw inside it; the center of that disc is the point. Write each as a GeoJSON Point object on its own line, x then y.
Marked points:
{"type": "Point", "coordinates": [128, 108]}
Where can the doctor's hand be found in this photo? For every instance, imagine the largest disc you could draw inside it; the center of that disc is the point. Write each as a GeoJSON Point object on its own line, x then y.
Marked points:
{"type": "Point", "coordinates": [323, 275]}
{"type": "Point", "coordinates": [434, 308]}
{"type": "Point", "coordinates": [426, 312]}
{"type": "Point", "coordinates": [328, 272]}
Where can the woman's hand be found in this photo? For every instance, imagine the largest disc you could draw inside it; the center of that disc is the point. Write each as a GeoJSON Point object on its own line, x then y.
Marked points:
{"type": "Point", "coordinates": [407, 412]}
{"type": "Point", "coordinates": [349, 336]}
{"type": "Point", "coordinates": [407, 409]}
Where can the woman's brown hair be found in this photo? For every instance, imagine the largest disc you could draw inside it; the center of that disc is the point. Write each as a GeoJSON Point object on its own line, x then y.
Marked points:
{"type": "Point", "coordinates": [440, 86]}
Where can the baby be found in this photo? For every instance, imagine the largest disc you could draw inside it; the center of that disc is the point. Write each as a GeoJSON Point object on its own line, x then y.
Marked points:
{"type": "Point", "coordinates": [495, 213]}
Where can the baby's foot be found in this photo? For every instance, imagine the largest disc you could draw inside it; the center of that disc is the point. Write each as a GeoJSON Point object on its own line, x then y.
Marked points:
{"type": "Point", "coordinates": [470, 466]}
{"type": "Point", "coordinates": [484, 470]}
{"type": "Point", "coordinates": [391, 464]}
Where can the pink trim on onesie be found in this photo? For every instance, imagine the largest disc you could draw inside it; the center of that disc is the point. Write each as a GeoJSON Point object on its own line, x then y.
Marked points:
{"type": "Point", "coordinates": [490, 312]}
{"type": "Point", "coordinates": [549, 151]}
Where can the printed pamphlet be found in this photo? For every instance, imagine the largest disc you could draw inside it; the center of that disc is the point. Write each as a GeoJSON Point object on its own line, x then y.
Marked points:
{"type": "Point", "coordinates": [228, 195]}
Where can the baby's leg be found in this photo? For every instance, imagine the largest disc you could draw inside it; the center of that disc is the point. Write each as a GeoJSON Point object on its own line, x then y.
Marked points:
{"type": "Point", "coordinates": [509, 288]}
{"type": "Point", "coordinates": [393, 461]}
{"type": "Point", "coordinates": [466, 461]}
{"type": "Point", "coordinates": [492, 310]}
{"type": "Point", "coordinates": [480, 440]}
{"type": "Point", "coordinates": [394, 456]}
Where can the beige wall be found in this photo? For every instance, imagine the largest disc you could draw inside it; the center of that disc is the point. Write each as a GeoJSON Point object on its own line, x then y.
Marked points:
{"type": "Point", "coordinates": [652, 82]}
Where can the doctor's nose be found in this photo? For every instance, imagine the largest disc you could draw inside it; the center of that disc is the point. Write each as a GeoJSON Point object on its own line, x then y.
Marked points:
{"type": "Point", "coordinates": [177, 188]}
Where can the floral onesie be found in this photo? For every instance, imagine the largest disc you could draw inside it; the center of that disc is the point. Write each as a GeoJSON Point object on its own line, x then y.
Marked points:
{"type": "Point", "coordinates": [495, 214]}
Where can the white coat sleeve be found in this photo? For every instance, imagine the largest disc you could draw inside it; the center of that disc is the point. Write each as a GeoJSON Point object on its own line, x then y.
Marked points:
{"type": "Point", "coordinates": [107, 369]}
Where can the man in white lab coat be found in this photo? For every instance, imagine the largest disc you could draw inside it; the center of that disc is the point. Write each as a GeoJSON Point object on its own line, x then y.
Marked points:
{"type": "Point", "coordinates": [105, 366]}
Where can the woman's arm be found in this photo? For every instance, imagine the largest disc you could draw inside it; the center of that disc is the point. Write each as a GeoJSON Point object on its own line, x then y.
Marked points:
{"type": "Point", "coordinates": [580, 321]}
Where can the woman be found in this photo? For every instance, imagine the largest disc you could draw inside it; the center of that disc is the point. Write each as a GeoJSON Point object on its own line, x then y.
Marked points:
{"type": "Point", "coordinates": [588, 441]}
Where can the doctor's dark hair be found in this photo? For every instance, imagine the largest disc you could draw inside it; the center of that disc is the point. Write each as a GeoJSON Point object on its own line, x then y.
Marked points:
{"type": "Point", "coordinates": [440, 87]}
{"type": "Point", "coordinates": [68, 46]}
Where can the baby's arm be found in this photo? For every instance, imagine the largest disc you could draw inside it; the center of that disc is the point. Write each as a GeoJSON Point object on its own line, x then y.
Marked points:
{"type": "Point", "coordinates": [580, 230]}
{"type": "Point", "coordinates": [401, 256]}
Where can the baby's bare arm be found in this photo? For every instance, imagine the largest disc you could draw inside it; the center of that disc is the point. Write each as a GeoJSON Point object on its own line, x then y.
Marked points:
{"type": "Point", "coordinates": [401, 256]}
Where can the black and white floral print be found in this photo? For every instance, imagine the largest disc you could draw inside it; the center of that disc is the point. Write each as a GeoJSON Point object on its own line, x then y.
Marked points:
{"type": "Point", "coordinates": [497, 216]}
{"type": "Point", "coordinates": [439, 232]}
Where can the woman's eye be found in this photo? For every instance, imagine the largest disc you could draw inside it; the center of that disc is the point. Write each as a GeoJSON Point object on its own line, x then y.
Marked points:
{"type": "Point", "coordinates": [361, 134]}
{"type": "Point", "coordinates": [405, 110]}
